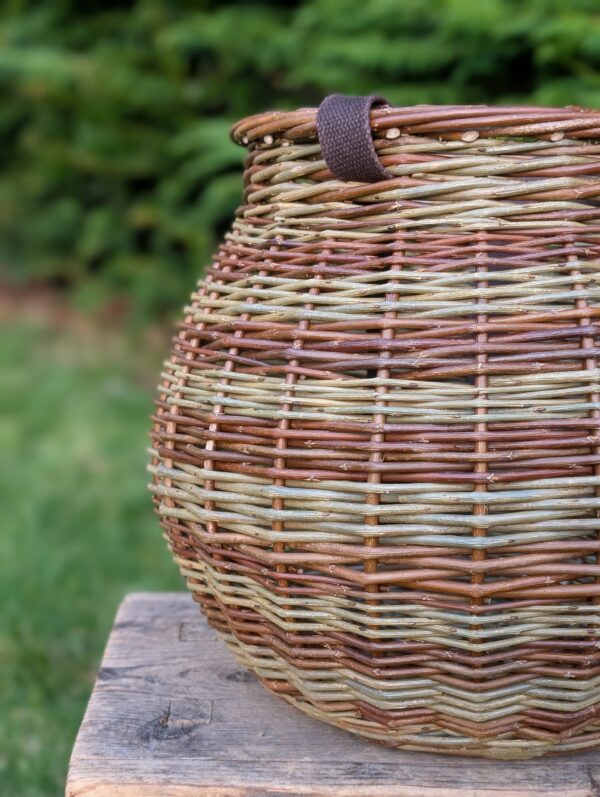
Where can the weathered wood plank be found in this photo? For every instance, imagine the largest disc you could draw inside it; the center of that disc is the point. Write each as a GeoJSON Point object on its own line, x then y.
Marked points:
{"type": "Point", "coordinates": [172, 714]}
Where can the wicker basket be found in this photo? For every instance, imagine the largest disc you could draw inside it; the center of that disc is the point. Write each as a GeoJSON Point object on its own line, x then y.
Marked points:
{"type": "Point", "coordinates": [376, 454]}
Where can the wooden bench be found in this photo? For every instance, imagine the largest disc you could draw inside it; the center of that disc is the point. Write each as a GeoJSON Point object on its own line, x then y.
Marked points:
{"type": "Point", "coordinates": [172, 714]}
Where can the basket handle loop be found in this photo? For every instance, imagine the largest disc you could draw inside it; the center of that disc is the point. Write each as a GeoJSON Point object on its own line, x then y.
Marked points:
{"type": "Point", "coordinates": [344, 132]}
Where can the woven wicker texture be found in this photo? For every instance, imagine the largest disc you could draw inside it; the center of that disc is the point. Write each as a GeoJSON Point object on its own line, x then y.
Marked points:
{"type": "Point", "coordinates": [376, 453]}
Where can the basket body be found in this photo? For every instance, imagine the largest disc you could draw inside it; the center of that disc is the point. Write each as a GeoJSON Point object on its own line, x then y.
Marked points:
{"type": "Point", "coordinates": [376, 449]}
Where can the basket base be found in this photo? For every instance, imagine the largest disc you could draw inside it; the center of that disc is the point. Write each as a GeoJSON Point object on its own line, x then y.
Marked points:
{"type": "Point", "coordinates": [173, 715]}
{"type": "Point", "coordinates": [399, 734]}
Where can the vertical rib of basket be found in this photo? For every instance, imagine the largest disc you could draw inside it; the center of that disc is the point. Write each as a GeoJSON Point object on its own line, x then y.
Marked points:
{"type": "Point", "coordinates": [376, 452]}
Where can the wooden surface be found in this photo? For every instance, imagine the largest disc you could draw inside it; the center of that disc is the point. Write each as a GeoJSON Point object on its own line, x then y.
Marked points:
{"type": "Point", "coordinates": [173, 715]}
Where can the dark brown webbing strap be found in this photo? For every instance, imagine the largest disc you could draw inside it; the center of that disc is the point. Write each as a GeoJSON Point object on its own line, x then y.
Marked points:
{"type": "Point", "coordinates": [344, 131]}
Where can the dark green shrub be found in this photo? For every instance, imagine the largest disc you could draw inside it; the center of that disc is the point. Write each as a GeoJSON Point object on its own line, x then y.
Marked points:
{"type": "Point", "coordinates": [117, 173]}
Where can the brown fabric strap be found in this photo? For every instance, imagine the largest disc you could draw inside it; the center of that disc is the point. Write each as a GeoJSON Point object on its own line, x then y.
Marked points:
{"type": "Point", "coordinates": [344, 131]}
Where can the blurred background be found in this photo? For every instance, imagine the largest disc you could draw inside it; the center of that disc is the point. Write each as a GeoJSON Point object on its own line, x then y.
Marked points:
{"type": "Point", "coordinates": [117, 177]}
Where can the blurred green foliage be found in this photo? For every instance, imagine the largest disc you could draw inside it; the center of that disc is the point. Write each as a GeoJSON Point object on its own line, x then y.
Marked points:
{"type": "Point", "coordinates": [77, 530]}
{"type": "Point", "coordinates": [117, 172]}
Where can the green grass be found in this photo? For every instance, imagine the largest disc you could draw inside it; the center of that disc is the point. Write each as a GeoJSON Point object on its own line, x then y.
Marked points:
{"type": "Point", "coordinates": [76, 531]}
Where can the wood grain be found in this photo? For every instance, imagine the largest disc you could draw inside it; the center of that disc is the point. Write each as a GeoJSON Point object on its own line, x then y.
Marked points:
{"type": "Point", "coordinates": [172, 714]}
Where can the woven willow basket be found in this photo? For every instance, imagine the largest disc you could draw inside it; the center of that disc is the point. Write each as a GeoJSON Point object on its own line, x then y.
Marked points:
{"type": "Point", "coordinates": [376, 454]}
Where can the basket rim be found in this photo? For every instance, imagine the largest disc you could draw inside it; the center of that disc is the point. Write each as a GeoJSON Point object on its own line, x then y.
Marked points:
{"type": "Point", "coordinates": [444, 121]}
